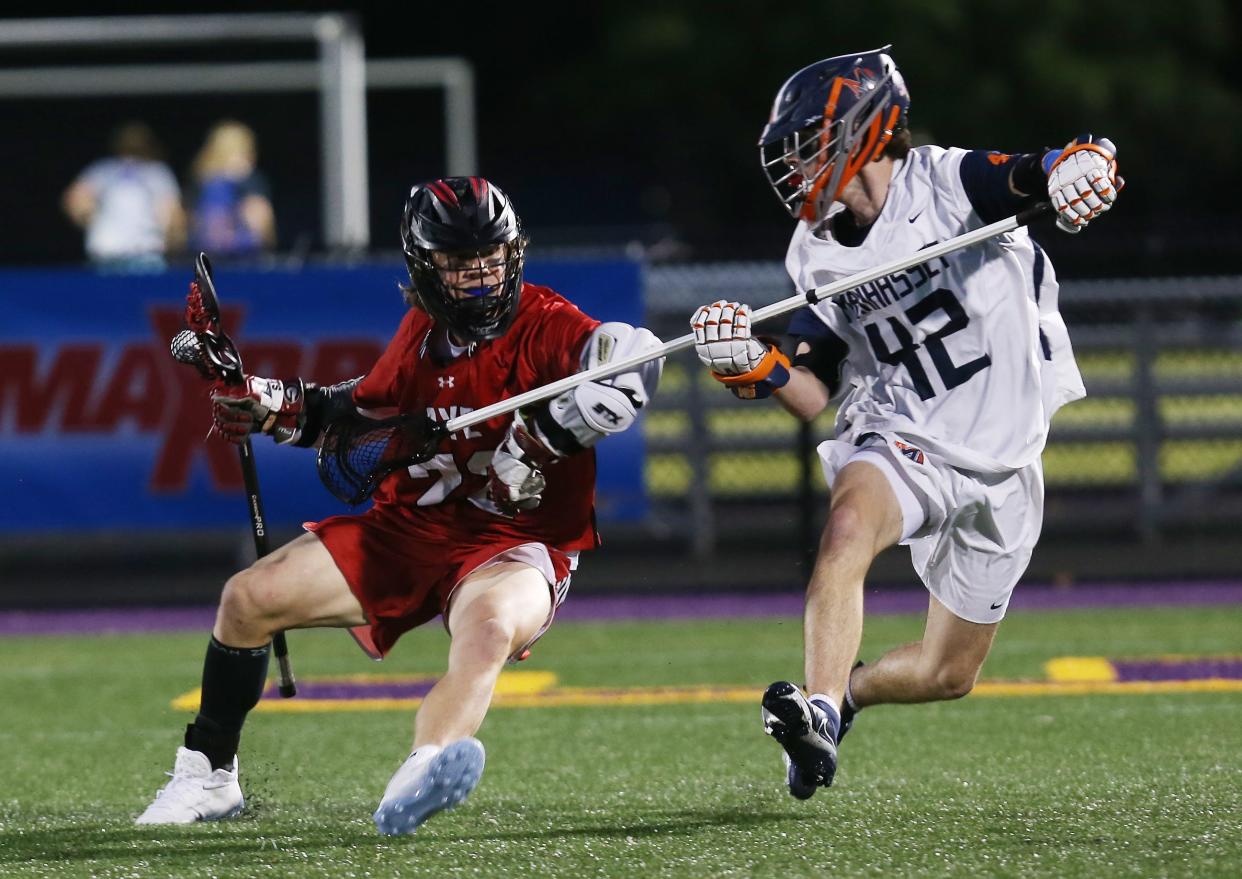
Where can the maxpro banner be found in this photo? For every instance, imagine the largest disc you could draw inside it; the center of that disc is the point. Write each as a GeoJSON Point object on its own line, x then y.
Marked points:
{"type": "Point", "coordinates": [100, 430]}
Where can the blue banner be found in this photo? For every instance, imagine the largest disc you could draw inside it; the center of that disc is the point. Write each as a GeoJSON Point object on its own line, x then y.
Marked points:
{"type": "Point", "coordinates": [101, 430]}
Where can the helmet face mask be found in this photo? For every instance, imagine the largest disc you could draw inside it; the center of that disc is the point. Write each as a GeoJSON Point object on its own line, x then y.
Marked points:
{"type": "Point", "coordinates": [828, 120]}
{"type": "Point", "coordinates": [465, 252]}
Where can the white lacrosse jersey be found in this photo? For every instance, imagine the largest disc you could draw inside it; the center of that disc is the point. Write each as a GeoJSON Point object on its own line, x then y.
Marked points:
{"type": "Point", "coordinates": [966, 355]}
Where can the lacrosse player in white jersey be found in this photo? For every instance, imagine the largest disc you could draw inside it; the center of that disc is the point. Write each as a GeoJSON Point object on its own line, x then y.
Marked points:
{"type": "Point", "coordinates": [949, 374]}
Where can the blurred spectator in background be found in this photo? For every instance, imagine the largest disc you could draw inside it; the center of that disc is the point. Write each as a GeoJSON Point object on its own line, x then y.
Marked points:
{"type": "Point", "coordinates": [129, 204]}
{"type": "Point", "coordinates": [232, 209]}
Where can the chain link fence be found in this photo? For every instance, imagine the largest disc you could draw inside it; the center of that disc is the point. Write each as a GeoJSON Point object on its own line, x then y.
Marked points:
{"type": "Point", "coordinates": [1153, 452]}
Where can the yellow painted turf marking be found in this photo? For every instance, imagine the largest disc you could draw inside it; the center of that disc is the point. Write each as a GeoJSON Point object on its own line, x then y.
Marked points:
{"type": "Point", "coordinates": [580, 697]}
{"type": "Point", "coordinates": [1084, 688]}
{"type": "Point", "coordinates": [510, 683]}
{"type": "Point", "coordinates": [1065, 669]}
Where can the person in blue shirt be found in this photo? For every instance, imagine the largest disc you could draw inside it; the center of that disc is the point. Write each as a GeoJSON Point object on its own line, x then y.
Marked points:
{"type": "Point", "coordinates": [232, 208]}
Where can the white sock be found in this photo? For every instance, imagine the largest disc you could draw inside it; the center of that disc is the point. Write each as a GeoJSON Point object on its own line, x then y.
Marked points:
{"type": "Point", "coordinates": [826, 700]}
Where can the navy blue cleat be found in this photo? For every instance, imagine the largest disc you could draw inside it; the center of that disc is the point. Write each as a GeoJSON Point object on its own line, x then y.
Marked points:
{"type": "Point", "coordinates": [430, 781]}
{"type": "Point", "coordinates": [801, 784]}
{"type": "Point", "coordinates": [806, 732]}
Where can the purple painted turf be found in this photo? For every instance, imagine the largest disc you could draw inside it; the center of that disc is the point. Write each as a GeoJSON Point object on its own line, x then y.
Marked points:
{"type": "Point", "coordinates": [1177, 670]}
{"type": "Point", "coordinates": [106, 621]}
{"type": "Point", "coordinates": [613, 607]}
{"type": "Point", "coordinates": [356, 690]}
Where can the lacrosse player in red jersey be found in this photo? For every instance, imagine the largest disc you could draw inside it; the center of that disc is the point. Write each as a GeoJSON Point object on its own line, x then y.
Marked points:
{"type": "Point", "coordinates": [950, 371]}
{"type": "Point", "coordinates": [484, 532]}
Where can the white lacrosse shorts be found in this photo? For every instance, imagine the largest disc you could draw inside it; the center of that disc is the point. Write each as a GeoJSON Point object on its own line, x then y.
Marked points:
{"type": "Point", "coordinates": [970, 535]}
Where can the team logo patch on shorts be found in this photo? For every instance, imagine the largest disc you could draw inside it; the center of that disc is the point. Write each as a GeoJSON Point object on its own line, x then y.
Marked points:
{"type": "Point", "coordinates": [915, 455]}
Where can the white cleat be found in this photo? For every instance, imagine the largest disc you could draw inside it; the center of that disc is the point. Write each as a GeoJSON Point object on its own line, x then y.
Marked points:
{"type": "Point", "coordinates": [196, 793]}
{"type": "Point", "coordinates": [430, 780]}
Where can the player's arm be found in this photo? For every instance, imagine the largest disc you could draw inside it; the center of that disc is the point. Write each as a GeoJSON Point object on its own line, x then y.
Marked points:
{"type": "Point", "coordinates": [755, 368]}
{"type": "Point", "coordinates": [79, 202]}
{"type": "Point", "coordinates": [1080, 180]}
{"type": "Point", "coordinates": [295, 412]}
{"type": "Point", "coordinates": [292, 412]}
{"type": "Point", "coordinates": [547, 432]}
{"type": "Point", "coordinates": [816, 377]}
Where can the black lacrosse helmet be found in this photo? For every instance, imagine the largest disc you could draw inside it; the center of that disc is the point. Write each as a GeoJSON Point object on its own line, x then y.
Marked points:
{"type": "Point", "coordinates": [468, 225]}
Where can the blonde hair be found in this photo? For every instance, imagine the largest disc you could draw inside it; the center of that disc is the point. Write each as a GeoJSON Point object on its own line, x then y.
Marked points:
{"type": "Point", "coordinates": [228, 144]}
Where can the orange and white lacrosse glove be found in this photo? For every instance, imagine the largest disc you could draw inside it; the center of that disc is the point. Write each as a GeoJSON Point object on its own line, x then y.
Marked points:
{"type": "Point", "coordinates": [1082, 180]}
{"type": "Point", "coordinates": [750, 368]}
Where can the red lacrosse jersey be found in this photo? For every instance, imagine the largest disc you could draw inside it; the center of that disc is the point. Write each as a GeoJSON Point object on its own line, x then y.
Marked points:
{"type": "Point", "coordinates": [447, 495]}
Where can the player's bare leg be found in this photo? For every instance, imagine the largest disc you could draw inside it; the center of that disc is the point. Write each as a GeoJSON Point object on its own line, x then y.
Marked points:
{"type": "Point", "coordinates": [865, 518]}
{"type": "Point", "coordinates": [944, 665]}
{"type": "Point", "coordinates": [298, 585]}
{"type": "Point", "coordinates": [492, 614]}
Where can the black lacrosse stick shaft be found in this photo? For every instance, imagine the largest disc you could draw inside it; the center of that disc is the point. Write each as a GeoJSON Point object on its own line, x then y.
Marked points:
{"type": "Point", "coordinates": [220, 352]}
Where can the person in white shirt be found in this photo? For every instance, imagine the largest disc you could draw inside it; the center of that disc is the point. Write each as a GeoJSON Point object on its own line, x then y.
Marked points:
{"type": "Point", "coordinates": [129, 204]}
{"type": "Point", "coordinates": [949, 372]}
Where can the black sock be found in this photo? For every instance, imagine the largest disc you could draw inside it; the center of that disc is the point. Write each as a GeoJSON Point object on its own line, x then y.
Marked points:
{"type": "Point", "coordinates": [233, 681]}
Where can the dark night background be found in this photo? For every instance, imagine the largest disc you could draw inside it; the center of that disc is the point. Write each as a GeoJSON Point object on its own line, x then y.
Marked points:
{"type": "Point", "coordinates": [637, 121]}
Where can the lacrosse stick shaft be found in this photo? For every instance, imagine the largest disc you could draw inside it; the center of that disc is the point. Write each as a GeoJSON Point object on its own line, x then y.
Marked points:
{"type": "Point", "coordinates": [258, 530]}
{"type": "Point", "coordinates": [785, 306]}
{"type": "Point", "coordinates": [220, 354]}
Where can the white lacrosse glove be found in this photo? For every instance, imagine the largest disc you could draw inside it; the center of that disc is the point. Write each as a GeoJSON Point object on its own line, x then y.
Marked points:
{"type": "Point", "coordinates": [515, 480]}
{"type": "Point", "coordinates": [750, 368]}
{"type": "Point", "coordinates": [1082, 180]}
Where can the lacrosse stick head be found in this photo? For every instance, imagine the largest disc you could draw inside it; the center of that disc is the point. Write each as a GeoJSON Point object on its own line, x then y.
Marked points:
{"type": "Point", "coordinates": [202, 315]}
{"type": "Point", "coordinates": [185, 348]}
{"type": "Point", "coordinates": [357, 453]}
{"type": "Point", "coordinates": [202, 275]}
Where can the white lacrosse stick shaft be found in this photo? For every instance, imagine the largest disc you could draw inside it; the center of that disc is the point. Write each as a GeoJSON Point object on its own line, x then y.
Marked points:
{"type": "Point", "coordinates": [785, 306]}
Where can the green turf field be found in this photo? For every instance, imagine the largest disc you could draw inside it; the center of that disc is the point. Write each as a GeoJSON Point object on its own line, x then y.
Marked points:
{"type": "Point", "coordinates": [1092, 786]}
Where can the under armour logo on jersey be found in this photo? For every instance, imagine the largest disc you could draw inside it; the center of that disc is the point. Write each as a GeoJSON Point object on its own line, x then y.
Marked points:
{"type": "Point", "coordinates": [445, 381]}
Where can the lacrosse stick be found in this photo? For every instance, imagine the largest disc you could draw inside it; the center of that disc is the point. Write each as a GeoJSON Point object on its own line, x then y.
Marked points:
{"type": "Point", "coordinates": [785, 306]}
{"type": "Point", "coordinates": [209, 350]}
{"type": "Point", "coordinates": [358, 452]}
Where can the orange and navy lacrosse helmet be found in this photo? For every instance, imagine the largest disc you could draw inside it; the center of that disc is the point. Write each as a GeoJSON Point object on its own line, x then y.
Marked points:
{"type": "Point", "coordinates": [828, 120]}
